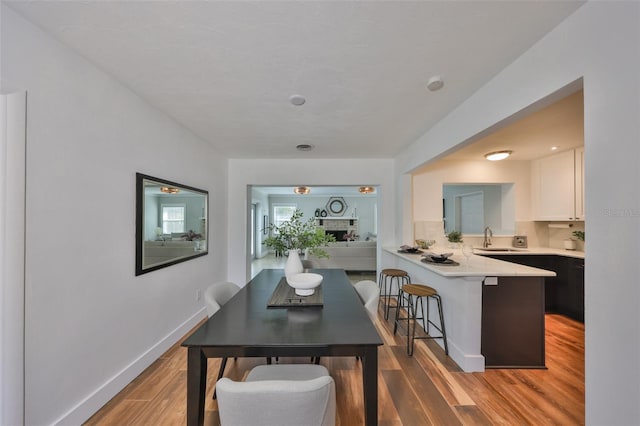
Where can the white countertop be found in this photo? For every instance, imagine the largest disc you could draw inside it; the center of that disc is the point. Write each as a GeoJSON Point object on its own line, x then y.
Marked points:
{"type": "Point", "coordinates": [475, 266]}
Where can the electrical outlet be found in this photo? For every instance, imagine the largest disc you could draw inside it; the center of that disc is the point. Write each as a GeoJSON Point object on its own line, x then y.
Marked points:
{"type": "Point", "coordinates": [198, 295]}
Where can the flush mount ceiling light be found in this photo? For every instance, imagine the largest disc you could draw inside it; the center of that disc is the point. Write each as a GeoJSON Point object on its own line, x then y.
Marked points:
{"type": "Point", "coordinates": [302, 190]}
{"type": "Point", "coordinates": [366, 189]}
{"type": "Point", "coordinates": [435, 83]}
{"type": "Point", "coordinates": [169, 190]}
{"type": "Point", "coordinates": [297, 100]}
{"type": "Point", "coordinates": [497, 155]}
{"type": "Point", "coordinates": [304, 147]}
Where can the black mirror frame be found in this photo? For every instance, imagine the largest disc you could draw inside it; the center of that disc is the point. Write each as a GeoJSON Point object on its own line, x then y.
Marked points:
{"type": "Point", "coordinates": [140, 178]}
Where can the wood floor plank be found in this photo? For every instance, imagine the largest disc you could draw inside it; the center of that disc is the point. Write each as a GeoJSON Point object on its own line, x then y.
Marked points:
{"type": "Point", "coordinates": [406, 401]}
{"type": "Point", "coordinates": [434, 404]}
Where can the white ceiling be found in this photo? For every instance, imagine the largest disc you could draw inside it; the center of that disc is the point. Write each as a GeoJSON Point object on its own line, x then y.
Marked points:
{"type": "Point", "coordinates": [226, 69]}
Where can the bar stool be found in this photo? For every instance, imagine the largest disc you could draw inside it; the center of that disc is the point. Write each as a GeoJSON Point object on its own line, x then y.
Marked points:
{"type": "Point", "coordinates": [385, 282]}
{"type": "Point", "coordinates": [419, 291]}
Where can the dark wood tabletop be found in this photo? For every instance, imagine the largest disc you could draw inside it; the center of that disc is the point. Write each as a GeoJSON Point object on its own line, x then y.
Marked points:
{"type": "Point", "coordinates": [246, 327]}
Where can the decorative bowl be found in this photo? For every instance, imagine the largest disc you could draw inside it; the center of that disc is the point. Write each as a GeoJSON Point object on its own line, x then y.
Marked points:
{"type": "Point", "coordinates": [425, 244]}
{"type": "Point", "coordinates": [304, 283]}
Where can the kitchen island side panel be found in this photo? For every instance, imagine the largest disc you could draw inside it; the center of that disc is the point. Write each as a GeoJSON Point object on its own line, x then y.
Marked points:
{"type": "Point", "coordinates": [513, 323]}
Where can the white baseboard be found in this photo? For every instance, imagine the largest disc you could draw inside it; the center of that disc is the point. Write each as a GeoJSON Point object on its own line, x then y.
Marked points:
{"type": "Point", "coordinates": [96, 400]}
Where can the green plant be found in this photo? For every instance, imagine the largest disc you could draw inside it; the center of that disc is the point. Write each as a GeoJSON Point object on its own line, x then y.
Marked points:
{"type": "Point", "coordinates": [454, 237]}
{"type": "Point", "coordinates": [297, 234]}
{"type": "Point", "coordinates": [578, 234]}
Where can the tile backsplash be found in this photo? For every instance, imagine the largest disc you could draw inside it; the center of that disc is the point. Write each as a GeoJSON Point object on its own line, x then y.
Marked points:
{"type": "Point", "coordinates": [539, 234]}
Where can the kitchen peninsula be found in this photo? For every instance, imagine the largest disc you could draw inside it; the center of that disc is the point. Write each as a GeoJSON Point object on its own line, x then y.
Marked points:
{"type": "Point", "coordinates": [494, 310]}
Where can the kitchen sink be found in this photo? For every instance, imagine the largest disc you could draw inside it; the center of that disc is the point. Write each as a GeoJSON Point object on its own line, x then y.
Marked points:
{"type": "Point", "coordinates": [499, 249]}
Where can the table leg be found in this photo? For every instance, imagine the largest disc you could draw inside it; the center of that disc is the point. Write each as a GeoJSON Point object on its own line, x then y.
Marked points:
{"type": "Point", "coordinates": [196, 386]}
{"type": "Point", "coordinates": [370, 385]}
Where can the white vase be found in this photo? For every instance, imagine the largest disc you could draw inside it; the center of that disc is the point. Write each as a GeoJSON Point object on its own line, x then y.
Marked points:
{"type": "Point", "coordinates": [293, 265]}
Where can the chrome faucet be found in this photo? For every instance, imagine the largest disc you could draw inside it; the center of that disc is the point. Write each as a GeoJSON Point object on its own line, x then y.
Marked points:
{"type": "Point", "coordinates": [487, 239]}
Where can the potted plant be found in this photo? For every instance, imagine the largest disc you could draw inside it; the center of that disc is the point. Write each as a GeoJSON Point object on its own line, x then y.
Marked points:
{"type": "Point", "coordinates": [295, 236]}
{"type": "Point", "coordinates": [454, 237]}
{"type": "Point", "coordinates": [579, 235]}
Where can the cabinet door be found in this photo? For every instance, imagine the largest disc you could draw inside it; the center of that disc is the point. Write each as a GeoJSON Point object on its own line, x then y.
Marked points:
{"type": "Point", "coordinates": [576, 289]}
{"type": "Point", "coordinates": [579, 179]}
{"type": "Point", "coordinates": [554, 187]}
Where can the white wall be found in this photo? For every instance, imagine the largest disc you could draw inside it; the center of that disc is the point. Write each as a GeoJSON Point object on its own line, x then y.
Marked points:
{"type": "Point", "coordinates": [242, 173]}
{"type": "Point", "coordinates": [91, 325]}
{"type": "Point", "coordinates": [600, 42]}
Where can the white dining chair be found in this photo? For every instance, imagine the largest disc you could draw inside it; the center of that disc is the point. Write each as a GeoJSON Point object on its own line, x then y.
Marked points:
{"type": "Point", "coordinates": [370, 295]}
{"type": "Point", "coordinates": [215, 296]}
{"type": "Point", "coordinates": [279, 395]}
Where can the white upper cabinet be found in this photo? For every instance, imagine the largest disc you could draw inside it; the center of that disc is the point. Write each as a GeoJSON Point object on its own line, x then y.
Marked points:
{"type": "Point", "coordinates": [557, 186]}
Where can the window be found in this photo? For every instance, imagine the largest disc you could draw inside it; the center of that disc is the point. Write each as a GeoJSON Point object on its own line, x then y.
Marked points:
{"type": "Point", "coordinates": [173, 218]}
{"type": "Point", "coordinates": [282, 213]}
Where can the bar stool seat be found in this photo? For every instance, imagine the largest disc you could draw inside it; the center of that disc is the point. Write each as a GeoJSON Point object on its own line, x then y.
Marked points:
{"type": "Point", "coordinates": [418, 292]}
{"type": "Point", "coordinates": [385, 282]}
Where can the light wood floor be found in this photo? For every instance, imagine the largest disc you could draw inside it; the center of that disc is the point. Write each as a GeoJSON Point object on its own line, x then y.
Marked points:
{"type": "Point", "coordinates": [426, 389]}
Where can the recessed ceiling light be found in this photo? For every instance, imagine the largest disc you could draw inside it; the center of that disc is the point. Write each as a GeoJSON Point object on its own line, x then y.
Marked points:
{"type": "Point", "coordinates": [497, 155]}
{"type": "Point", "coordinates": [302, 190]}
{"type": "Point", "coordinates": [297, 100]}
{"type": "Point", "coordinates": [554, 148]}
{"type": "Point", "coordinates": [304, 147]}
{"type": "Point", "coordinates": [435, 83]}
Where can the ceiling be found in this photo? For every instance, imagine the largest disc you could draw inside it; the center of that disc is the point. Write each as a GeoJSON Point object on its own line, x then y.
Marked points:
{"type": "Point", "coordinates": [226, 69]}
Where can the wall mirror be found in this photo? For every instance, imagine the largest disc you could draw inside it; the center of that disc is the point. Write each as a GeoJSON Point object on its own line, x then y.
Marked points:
{"type": "Point", "coordinates": [171, 223]}
{"type": "Point", "coordinates": [469, 208]}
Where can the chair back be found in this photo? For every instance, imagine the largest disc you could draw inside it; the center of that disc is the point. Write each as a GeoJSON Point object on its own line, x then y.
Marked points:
{"type": "Point", "coordinates": [370, 295]}
{"type": "Point", "coordinates": [277, 402]}
{"type": "Point", "coordinates": [218, 294]}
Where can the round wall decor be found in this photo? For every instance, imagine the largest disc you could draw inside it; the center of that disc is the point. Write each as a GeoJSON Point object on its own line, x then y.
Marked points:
{"type": "Point", "coordinates": [336, 206]}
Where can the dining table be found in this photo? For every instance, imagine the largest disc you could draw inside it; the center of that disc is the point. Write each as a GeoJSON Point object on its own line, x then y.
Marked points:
{"type": "Point", "coordinates": [246, 326]}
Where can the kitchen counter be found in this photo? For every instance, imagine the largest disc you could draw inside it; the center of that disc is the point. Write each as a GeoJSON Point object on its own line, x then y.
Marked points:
{"type": "Point", "coordinates": [494, 310]}
{"type": "Point", "coordinates": [475, 266]}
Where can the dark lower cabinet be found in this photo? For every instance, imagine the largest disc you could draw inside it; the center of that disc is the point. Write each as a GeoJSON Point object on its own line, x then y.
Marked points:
{"type": "Point", "coordinates": [575, 289]}
{"type": "Point", "coordinates": [564, 293]}
{"type": "Point", "coordinates": [513, 323]}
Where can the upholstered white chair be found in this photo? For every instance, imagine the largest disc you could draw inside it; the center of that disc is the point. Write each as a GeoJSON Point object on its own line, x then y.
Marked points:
{"type": "Point", "coordinates": [218, 294]}
{"type": "Point", "coordinates": [214, 297]}
{"type": "Point", "coordinates": [370, 295]}
{"type": "Point", "coordinates": [279, 395]}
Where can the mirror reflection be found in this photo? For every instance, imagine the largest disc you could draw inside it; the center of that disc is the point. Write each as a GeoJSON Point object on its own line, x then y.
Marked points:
{"type": "Point", "coordinates": [171, 223]}
{"type": "Point", "coordinates": [469, 208]}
